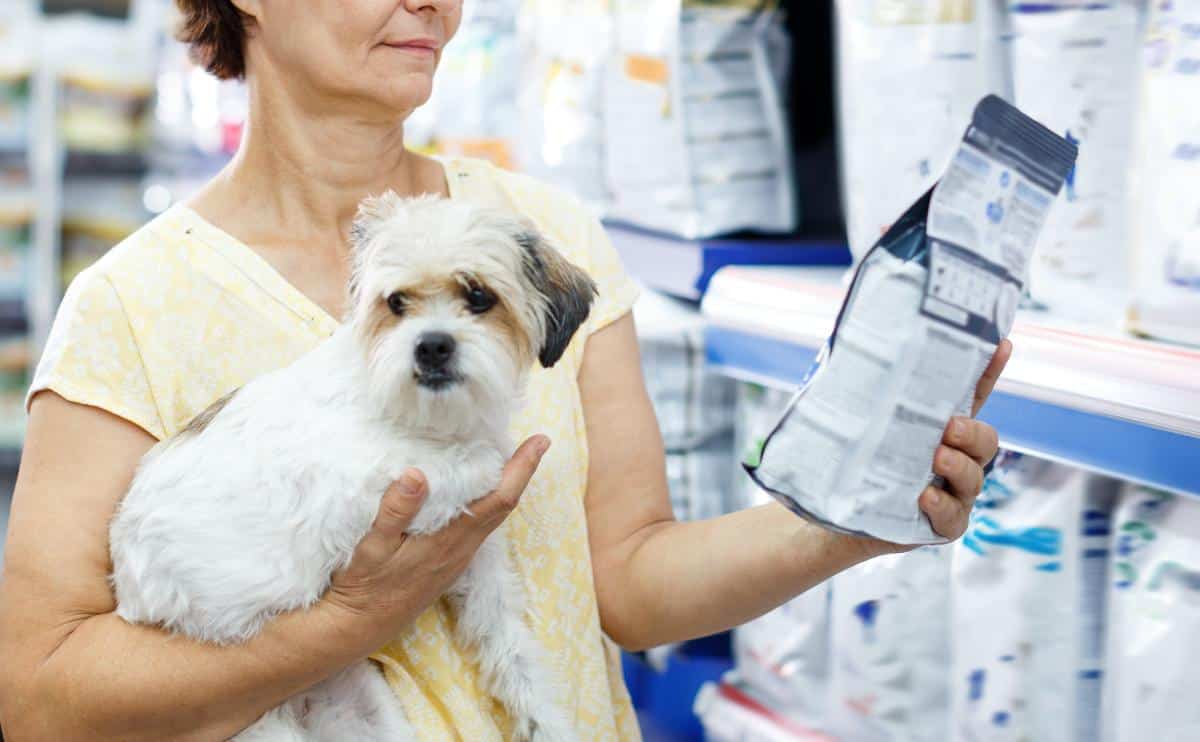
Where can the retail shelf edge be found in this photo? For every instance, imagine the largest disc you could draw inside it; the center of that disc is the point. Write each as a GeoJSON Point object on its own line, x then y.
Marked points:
{"type": "Point", "coordinates": [1084, 396]}
{"type": "Point", "coordinates": [683, 268]}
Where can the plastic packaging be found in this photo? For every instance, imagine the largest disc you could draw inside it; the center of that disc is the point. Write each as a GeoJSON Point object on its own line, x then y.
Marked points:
{"type": "Point", "coordinates": [1167, 202]}
{"type": "Point", "coordinates": [730, 715]}
{"type": "Point", "coordinates": [891, 649]}
{"type": "Point", "coordinates": [908, 74]}
{"type": "Point", "coordinates": [696, 141]}
{"type": "Point", "coordinates": [924, 313]}
{"type": "Point", "coordinates": [1074, 68]}
{"type": "Point", "coordinates": [565, 45]}
{"type": "Point", "coordinates": [1154, 624]}
{"type": "Point", "coordinates": [1028, 604]}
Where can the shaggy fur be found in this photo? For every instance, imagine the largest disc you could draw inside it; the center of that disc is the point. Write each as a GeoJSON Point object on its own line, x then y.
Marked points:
{"type": "Point", "coordinates": [247, 513]}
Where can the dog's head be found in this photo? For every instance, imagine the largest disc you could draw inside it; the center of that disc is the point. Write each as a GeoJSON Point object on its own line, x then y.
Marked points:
{"type": "Point", "coordinates": [453, 303]}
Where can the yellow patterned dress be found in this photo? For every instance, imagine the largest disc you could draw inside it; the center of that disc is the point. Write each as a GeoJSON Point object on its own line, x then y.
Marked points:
{"type": "Point", "coordinates": [181, 313]}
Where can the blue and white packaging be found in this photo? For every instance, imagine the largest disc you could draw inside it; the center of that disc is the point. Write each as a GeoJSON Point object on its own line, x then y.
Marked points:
{"type": "Point", "coordinates": [1074, 68]}
{"type": "Point", "coordinates": [921, 320]}
{"type": "Point", "coordinates": [891, 648]}
{"type": "Point", "coordinates": [1028, 605]}
{"type": "Point", "coordinates": [909, 72]}
{"type": "Point", "coordinates": [1166, 302]}
{"type": "Point", "coordinates": [1154, 620]}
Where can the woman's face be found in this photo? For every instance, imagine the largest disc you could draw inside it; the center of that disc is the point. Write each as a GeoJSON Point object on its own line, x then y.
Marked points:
{"type": "Point", "coordinates": [382, 52]}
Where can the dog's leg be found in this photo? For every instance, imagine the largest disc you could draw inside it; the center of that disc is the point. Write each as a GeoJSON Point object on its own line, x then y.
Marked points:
{"type": "Point", "coordinates": [355, 704]}
{"type": "Point", "coordinates": [491, 620]}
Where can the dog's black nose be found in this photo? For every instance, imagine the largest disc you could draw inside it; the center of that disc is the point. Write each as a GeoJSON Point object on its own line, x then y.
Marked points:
{"type": "Point", "coordinates": [434, 350]}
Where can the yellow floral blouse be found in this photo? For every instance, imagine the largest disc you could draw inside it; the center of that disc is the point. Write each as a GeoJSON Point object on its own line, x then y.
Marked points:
{"type": "Point", "coordinates": [181, 313]}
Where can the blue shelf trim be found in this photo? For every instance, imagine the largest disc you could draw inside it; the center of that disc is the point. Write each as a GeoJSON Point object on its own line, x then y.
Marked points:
{"type": "Point", "coordinates": [719, 253]}
{"type": "Point", "coordinates": [1118, 447]}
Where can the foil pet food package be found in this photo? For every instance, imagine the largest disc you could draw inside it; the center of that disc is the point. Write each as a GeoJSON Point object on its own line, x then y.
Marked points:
{"type": "Point", "coordinates": [909, 73]}
{"type": "Point", "coordinates": [1166, 240]}
{"type": "Point", "coordinates": [729, 714]}
{"type": "Point", "coordinates": [1154, 620]}
{"type": "Point", "coordinates": [1074, 68]}
{"type": "Point", "coordinates": [696, 139]}
{"type": "Point", "coordinates": [921, 320]}
{"type": "Point", "coordinates": [888, 680]}
{"type": "Point", "coordinates": [1028, 588]}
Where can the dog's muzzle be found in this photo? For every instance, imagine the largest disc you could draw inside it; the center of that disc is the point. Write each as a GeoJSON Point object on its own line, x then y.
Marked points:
{"type": "Point", "coordinates": [434, 357]}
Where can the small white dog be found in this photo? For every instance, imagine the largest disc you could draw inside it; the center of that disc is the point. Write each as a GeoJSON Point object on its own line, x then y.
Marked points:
{"type": "Point", "coordinates": [248, 511]}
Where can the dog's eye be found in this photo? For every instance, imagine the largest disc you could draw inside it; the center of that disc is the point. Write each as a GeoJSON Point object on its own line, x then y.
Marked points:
{"type": "Point", "coordinates": [396, 303]}
{"type": "Point", "coordinates": [479, 299]}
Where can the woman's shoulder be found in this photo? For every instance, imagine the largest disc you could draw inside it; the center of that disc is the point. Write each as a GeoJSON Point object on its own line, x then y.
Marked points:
{"type": "Point", "coordinates": [146, 257]}
{"type": "Point", "coordinates": [554, 209]}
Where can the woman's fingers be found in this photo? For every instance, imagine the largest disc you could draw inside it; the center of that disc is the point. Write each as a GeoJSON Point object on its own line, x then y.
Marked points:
{"type": "Point", "coordinates": [947, 514]}
{"type": "Point", "coordinates": [991, 374]}
{"type": "Point", "coordinates": [948, 509]}
{"type": "Point", "coordinates": [495, 506]}
{"type": "Point", "coordinates": [399, 505]}
{"type": "Point", "coordinates": [974, 438]}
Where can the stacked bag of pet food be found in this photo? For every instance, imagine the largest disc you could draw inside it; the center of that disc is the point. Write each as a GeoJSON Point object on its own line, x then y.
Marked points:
{"type": "Point", "coordinates": [1166, 219]}
{"type": "Point", "coordinates": [1074, 68]}
{"type": "Point", "coordinates": [695, 136]}
{"type": "Point", "coordinates": [694, 406]}
{"type": "Point", "coordinates": [908, 74]}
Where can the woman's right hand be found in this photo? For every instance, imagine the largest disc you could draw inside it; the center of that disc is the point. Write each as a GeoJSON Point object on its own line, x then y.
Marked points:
{"type": "Point", "coordinates": [392, 573]}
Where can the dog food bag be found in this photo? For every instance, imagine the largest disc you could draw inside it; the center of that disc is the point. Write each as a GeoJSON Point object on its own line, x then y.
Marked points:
{"type": "Point", "coordinates": [922, 318]}
{"type": "Point", "coordinates": [891, 649]}
{"type": "Point", "coordinates": [1074, 68]}
{"type": "Point", "coordinates": [1028, 586]}
{"type": "Point", "coordinates": [1154, 620]}
{"type": "Point", "coordinates": [696, 140]}
{"type": "Point", "coordinates": [908, 74]}
{"type": "Point", "coordinates": [729, 714]}
{"type": "Point", "coordinates": [1166, 228]}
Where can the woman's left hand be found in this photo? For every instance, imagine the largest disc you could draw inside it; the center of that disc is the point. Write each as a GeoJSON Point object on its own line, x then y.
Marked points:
{"type": "Point", "coordinates": [967, 446]}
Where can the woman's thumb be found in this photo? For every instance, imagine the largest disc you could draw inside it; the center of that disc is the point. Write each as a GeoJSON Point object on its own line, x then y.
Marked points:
{"type": "Point", "coordinates": [399, 505]}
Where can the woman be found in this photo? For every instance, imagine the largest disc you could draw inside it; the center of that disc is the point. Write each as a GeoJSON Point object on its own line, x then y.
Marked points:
{"type": "Point", "coordinates": [248, 276]}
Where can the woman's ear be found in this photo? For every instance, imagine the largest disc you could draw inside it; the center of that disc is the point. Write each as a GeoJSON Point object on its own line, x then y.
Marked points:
{"type": "Point", "coordinates": [566, 291]}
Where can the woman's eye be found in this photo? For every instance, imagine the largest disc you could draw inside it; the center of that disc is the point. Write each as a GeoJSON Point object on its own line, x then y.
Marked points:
{"type": "Point", "coordinates": [396, 303]}
{"type": "Point", "coordinates": [479, 299]}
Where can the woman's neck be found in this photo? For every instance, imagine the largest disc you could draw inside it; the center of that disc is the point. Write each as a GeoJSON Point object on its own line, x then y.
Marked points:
{"type": "Point", "coordinates": [301, 172]}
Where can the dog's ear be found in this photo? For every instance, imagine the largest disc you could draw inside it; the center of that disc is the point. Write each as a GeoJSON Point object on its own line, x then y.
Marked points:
{"type": "Point", "coordinates": [567, 293]}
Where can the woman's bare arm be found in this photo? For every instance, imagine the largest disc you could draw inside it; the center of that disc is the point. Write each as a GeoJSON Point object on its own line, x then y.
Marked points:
{"type": "Point", "coordinates": [74, 670]}
{"type": "Point", "coordinates": [659, 581]}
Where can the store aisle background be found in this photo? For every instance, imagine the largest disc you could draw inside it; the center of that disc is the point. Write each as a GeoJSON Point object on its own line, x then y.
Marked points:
{"type": "Point", "coordinates": [712, 135]}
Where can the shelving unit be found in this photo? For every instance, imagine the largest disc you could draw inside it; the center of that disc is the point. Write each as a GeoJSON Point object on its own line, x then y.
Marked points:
{"type": "Point", "coordinates": [1086, 396]}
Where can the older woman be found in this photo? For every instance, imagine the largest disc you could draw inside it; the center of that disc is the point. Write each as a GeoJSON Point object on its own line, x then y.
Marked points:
{"type": "Point", "coordinates": [249, 275]}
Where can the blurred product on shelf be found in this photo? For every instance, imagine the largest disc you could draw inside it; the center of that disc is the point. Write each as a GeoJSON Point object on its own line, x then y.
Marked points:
{"type": "Point", "coordinates": [908, 75]}
{"type": "Point", "coordinates": [694, 407]}
{"type": "Point", "coordinates": [1028, 604]}
{"type": "Point", "coordinates": [196, 116]}
{"type": "Point", "coordinates": [16, 71]}
{"type": "Point", "coordinates": [14, 380]}
{"type": "Point", "coordinates": [473, 110]}
{"type": "Point", "coordinates": [756, 410]}
{"type": "Point", "coordinates": [97, 214]}
{"type": "Point", "coordinates": [693, 403]}
{"type": "Point", "coordinates": [696, 141]}
{"type": "Point", "coordinates": [1154, 619]}
{"type": "Point", "coordinates": [564, 47]}
{"type": "Point", "coordinates": [106, 75]}
{"type": "Point", "coordinates": [891, 649]}
{"type": "Point", "coordinates": [1166, 229]}
{"type": "Point", "coordinates": [730, 715]}
{"type": "Point", "coordinates": [1074, 69]}
{"type": "Point", "coordinates": [16, 236]}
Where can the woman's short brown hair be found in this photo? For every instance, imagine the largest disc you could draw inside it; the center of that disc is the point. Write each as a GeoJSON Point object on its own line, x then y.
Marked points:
{"type": "Point", "coordinates": [215, 31]}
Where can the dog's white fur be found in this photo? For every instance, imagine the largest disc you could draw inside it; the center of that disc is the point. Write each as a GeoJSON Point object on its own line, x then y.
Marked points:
{"type": "Point", "coordinates": [248, 512]}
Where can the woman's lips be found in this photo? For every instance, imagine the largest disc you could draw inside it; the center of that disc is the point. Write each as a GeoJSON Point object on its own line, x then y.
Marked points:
{"type": "Point", "coordinates": [423, 48]}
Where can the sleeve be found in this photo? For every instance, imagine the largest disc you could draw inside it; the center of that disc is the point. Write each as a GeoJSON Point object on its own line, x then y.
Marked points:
{"type": "Point", "coordinates": [617, 291]}
{"type": "Point", "coordinates": [92, 357]}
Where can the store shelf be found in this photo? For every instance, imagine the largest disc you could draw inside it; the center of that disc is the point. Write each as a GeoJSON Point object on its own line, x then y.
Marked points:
{"type": "Point", "coordinates": [1081, 395]}
{"type": "Point", "coordinates": [684, 268]}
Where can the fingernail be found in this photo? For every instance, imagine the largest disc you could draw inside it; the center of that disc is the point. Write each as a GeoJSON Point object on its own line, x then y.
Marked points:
{"type": "Point", "coordinates": [543, 445]}
{"type": "Point", "coordinates": [409, 484]}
